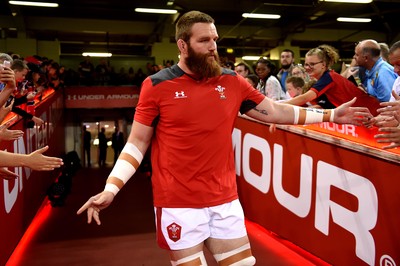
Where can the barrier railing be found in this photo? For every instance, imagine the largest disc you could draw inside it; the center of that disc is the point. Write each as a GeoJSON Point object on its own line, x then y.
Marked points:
{"type": "Point", "coordinates": [327, 188]}
{"type": "Point", "coordinates": [21, 198]}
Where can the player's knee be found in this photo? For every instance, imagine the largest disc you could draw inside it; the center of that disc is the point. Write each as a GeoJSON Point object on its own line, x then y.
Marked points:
{"type": "Point", "coordinates": [241, 256]}
{"type": "Point", "coordinates": [197, 259]}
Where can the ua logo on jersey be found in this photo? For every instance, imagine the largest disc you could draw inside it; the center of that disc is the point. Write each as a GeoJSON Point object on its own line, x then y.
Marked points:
{"type": "Point", "coordinates": [180, 95]}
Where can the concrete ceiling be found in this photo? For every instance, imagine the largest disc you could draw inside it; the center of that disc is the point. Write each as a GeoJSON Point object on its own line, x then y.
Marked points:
{"type": "Point", "coordinates": [96, 24]}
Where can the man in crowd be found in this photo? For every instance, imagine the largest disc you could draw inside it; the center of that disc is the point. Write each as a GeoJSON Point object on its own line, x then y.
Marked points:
{"type": "Point", "coordinates": [388, 119]}
{"type": "Point", "coordinates": [379, 75]}
{"type": "Point", "coordinates": [394, 59]}
{"type": "Point", "coordinates": [287, 62]}
{"type": "Point", "coordinates": [243, 69]}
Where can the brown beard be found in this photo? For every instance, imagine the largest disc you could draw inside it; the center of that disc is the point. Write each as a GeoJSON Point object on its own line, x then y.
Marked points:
{"type": "Point", "coordinates": [286, 66]}
{"type": "Point", "coordinates": [200, 65]}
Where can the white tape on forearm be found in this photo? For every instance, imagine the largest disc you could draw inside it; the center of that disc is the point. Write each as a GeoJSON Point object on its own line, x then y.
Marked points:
{"type": "Point", "coordinates": [296, 110]}
{"type": "Point", "coordinates": [314, 116]}
{"type": "Point", "coordinates": [133, 151]}
{"type": "Point", "coordinates": [124, 168]}
{"type": "Point", "coordinates": [304, 116]}
{"type": "Point", "coordinates": [111, 188]}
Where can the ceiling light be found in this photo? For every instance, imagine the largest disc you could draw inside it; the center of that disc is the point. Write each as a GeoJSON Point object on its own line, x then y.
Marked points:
{"type": "Point", "coordinates": [360, 20]}
{"type": "Point", "coordinates": [264, 16]}
{"type": "Point", "coordinates": [156, 11]}
{"type": "Point", "coordinates": [350, 1]}
{"type": "Point", "coordinates": [251, 57]}
{"type": "Point", "coordinates": [94, 32]}
{"type": "Point", "coordinates": [97, 54]}
{"type": "Point", "coordinates": [26, 3]}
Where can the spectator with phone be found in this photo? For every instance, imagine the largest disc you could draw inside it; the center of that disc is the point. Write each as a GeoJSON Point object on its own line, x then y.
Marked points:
{"type": "Point", "coordinates": [21, 95]}
{"type": "Point", "coordinates": [7, 85]}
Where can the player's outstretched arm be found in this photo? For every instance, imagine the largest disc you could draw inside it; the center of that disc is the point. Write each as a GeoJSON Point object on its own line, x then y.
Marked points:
{"type": "Point", "coordinates": [125, 167]}
{"type": "Point", "coordinates": [281, 113]}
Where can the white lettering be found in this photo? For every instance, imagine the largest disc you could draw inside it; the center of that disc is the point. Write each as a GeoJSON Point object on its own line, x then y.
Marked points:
{"type": "Point", "coordinates": [122, 96]}
{"type": "Point", "coordinates": [19, 147]}
{"type": "Point", "coordinates": [10, 197]}
{"type": "Point", "coordinates": [343, 129]}
{"type": "Point", "coordinates": [261, 182]}
{"type": "Point", "coordinates": [91, 97]}
{"type": "Point", "coordinates": [358, 223]}
{"type": "Point", "coordinates": [237, 148]}
{"type": "Point", "coordinates": [300, 205]}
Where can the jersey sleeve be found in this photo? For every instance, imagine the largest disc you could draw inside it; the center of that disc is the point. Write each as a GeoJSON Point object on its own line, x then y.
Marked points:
{"type": "Point", "coordinates": [251, 96]}
{"type": "Point", "coordinates": [147, 110]}
{"type": "Point", "coordinates": [323, 84]}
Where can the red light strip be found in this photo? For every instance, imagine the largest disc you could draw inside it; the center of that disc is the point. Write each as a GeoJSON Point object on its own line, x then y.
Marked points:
{"type": "Point", "coordinates": [41, 216]}
{"type": "Point", "coordinates": [273, 243]}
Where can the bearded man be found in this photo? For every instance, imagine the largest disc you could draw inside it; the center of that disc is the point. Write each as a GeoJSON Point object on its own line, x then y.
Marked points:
{"type": "Point", "coordinates": [187, 112]}
{"type": "Point", "coordinates": [287, 62]}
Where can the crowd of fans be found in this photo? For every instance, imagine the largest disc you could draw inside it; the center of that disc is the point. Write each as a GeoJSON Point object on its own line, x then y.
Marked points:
{"type": "Point", "coordinates": [104, 74]}
{"type": "Point", "coordinates": [16, 88]}
{"type": "Point", "coordinates": [372, 77]}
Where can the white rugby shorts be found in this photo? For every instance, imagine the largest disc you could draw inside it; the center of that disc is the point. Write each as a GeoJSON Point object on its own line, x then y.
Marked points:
{"type": "Point", "coordinates": [180, 228]}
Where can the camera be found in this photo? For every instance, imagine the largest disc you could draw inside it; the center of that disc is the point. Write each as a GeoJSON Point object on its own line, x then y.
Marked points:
{"type": "Point", "coordinates": [6, 63]}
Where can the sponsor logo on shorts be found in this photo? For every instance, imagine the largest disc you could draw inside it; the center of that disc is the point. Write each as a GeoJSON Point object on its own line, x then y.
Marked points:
{"type": "Point", "coordinates": [174, 231]}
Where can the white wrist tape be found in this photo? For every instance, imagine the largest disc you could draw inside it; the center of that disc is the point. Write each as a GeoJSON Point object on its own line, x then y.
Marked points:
{"type": "Point", "coordinates": [112, 188]}
{"type": "Point", "coordinates": [304, 116]}
{"type": "Point", "coordinates": [125, 167]}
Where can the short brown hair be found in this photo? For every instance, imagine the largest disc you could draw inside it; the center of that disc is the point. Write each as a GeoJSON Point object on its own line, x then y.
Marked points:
{"type": "Point", "coordinates": [297, 82]}
{"type": "Point", "coordinates": [183, 28]}
{"type": "Point", "coordinates": [19, 65]}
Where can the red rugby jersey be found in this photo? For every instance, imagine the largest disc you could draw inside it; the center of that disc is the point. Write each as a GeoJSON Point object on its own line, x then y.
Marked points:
{"type": "Point", "coordinates": [191, 150]}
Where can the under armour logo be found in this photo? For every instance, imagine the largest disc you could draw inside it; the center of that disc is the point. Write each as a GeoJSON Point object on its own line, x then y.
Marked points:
{"type": "Point", "coordinates": [179, 95]}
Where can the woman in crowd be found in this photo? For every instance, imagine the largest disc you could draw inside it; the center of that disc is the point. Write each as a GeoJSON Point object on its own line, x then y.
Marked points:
{"type": "Point", "coordinates": [299, 71]}
{"type": "Point", "coordinates": [331, 89]}
{"type": "Point", "coordinates": [268, 84]}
